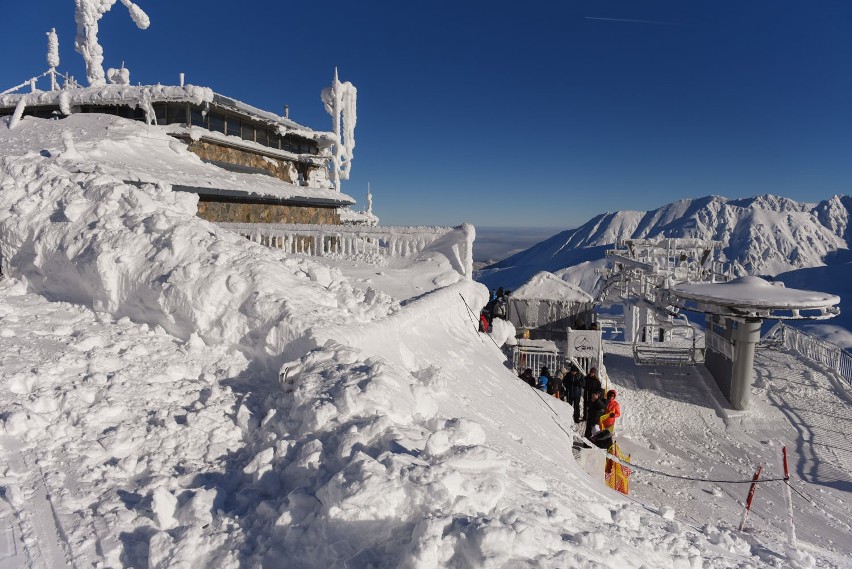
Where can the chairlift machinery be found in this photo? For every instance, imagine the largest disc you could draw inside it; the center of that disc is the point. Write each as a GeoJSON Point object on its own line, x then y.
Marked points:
{"type": "Point", "coordinates": [655, 279]}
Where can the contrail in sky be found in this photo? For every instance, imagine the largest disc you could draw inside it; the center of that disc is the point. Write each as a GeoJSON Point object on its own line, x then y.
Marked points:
{"type": "Point", "coordinates": [633, 21]}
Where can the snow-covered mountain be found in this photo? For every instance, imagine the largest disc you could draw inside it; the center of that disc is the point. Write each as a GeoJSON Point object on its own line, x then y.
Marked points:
{"type": "Point", "coordinates": [765, 235]}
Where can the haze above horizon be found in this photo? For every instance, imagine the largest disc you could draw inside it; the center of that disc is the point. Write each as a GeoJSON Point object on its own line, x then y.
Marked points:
{"type": "Point", "coordinates": [509, 115]}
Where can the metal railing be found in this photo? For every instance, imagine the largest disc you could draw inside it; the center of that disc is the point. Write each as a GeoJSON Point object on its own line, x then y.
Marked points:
{"type": "Point", "coordinates": [819, 351]}
{"type": "Point", "coordinates": [358, 242]}
{"type": "Point", "coordinates": [535, 360]}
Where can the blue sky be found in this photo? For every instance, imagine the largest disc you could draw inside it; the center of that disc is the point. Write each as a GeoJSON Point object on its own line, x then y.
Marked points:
{"type": "Point", "coordinates": [516, 114]}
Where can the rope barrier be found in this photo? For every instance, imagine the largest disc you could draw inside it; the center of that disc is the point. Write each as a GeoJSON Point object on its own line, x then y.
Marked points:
{"type": "Point", "coordinates": [472, 314]}
{"type": "Point", "coordinates": [633, 465]}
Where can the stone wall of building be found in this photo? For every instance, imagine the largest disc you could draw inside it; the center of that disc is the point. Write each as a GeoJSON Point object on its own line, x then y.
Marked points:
{"type": "Point", "coordinates": [278, 167]}
{"type": "Point", "coordinates": [266, 213]}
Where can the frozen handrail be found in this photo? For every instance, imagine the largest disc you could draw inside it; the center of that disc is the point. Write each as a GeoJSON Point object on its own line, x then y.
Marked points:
{"type": "Point", "coordinates": [356, 242]}
{"type": "Point", "coordinates": [817, 350]}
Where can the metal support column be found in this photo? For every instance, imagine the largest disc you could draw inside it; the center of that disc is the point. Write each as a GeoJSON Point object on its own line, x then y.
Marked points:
{"type": "Point", "coordinates": [746, 336]}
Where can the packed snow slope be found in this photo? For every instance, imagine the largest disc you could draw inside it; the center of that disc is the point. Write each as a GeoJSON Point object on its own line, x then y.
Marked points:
{"type": "Point", "coordinates": [142, 426]}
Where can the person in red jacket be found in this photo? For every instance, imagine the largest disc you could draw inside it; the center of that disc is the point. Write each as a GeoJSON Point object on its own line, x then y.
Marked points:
{"type": "Point", "coordinates": [613, 411]}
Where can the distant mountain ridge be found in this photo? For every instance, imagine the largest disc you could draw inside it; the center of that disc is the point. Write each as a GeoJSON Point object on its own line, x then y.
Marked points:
{"type": "Point", "coordinates": [765, 235]}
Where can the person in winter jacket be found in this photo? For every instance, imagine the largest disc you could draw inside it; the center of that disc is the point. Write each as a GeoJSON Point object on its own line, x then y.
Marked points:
{"type": "Point", "coordinates": [613, 411]}
{"type": "Point", "coordinates": [483, 322]}
{"type": "Point", "coordinates": [593, 384]}
{"type": "Point", "coordinates": [528, 377]}
{"type": "Point", "coordinates": [597, 407]}
{"type": "Point", "coordinates": [500, 307]}
{"type": "Point", "coordinates": [572, 388]}
{"type": "Point", "coordinates": [544, 380]}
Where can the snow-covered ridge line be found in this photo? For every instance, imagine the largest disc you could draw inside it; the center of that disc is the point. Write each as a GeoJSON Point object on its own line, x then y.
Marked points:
{"type": "Point", "coordinates": [764, 235]}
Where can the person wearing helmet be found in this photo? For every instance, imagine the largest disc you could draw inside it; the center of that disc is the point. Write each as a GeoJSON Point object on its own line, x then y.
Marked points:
{"type": "Point", "coordinates": [613, 411]}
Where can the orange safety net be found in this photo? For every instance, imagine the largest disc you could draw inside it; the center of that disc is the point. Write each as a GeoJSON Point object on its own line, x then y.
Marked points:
{"type": "Point", "coordinates": [616, 475]}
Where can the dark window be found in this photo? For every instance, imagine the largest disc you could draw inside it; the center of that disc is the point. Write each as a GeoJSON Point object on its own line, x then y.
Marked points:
{"type": "Point", "coordinates": [248, 131]}
{"type": "Point", "coordinates": [177, 113]}
{"type": "Point", "coordinates": [217, 122]}
{"type": "Point", "coordinates": [160, 112]}
{"type": "Point", "coordinates": [197, 118]}
{"type": "Point", "coordinates": [233, 126]}
{"type": "Point", "coordinates": [272, 140]}
{"type": "Point", "coordinates": [263, 136]}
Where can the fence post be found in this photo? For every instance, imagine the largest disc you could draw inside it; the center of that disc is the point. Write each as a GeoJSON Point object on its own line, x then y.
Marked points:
{"type": "Point", "coordinates": [791, 528]}
{"type": "Point", "coordinates": [750, 497]}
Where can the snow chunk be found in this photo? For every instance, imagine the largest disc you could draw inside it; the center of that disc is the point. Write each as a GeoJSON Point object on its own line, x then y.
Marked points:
{"type": "Point", "coordinates": [164, 505]}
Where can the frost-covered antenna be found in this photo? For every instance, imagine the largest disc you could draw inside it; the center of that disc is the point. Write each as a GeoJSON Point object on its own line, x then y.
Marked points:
{"type": "Point", "coordinates": [87, 16]}
{"type": "Point", "coordinates": [340, 101]}
{"type": "Point", "coordinates": [369, 199]}
{"type": "Point", "coordinates": [52, 56]}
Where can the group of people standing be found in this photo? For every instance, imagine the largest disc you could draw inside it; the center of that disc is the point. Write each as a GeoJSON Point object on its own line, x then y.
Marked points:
{"type": "Point", "coordinates": [497, 307]}
{"type": "Point", "coordinates": [599, 409]}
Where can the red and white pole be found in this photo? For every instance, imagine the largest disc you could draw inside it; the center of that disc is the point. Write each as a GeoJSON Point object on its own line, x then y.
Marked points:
{"type": "Point", "coordinates": [791, 528]}
{"type": "Point", "coordinates": [750, 496]}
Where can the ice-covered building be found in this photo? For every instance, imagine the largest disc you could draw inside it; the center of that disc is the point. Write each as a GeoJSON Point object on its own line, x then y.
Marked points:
{"type": "Point", "coordinates": [289, 173]}
{"type": "Point", "coordinates": [547, 306]}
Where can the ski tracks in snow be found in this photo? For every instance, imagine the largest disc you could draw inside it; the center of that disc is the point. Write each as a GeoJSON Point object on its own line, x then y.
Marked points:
{"type": "Point", "coordinates": [32, 535]}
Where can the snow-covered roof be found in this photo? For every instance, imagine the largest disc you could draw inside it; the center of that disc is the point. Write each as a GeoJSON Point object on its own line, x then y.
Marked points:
{"type": "Point", "coordinates": [548, 286]}
{"type": "Point", "coordinates": [112, 95]}
{"type": "Point", "coordinates": [134, 152]}
{"type": "Point", "coordinates": [752, 294]}
{"type": "Point", "coordinates": [144, 95]}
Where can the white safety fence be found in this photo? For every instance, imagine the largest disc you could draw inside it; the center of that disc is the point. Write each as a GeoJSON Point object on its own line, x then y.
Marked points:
{"type": "Point", "coordinates": [815, 349]}
{"type": "Point", "coordinates": [523, 359]}
{"type": "Point", "coordinates": [346, 241]}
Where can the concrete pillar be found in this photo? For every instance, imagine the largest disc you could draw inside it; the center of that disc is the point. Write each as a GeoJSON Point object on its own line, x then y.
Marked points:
{"type": "Point", "coordinates": [645, 318]}
{"type": "Point", "coordinates": [746, 335]}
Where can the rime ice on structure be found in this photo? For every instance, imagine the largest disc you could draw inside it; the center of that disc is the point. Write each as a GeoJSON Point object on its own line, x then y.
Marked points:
{"type": "Point", "coordinates": [52, 49]}
{"type": "Point", "coordinates": [340, 101]}
{"type": "Point", "coordinates": [52, 56]}
{"type": "Point", "coordinates": [88, 14]}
